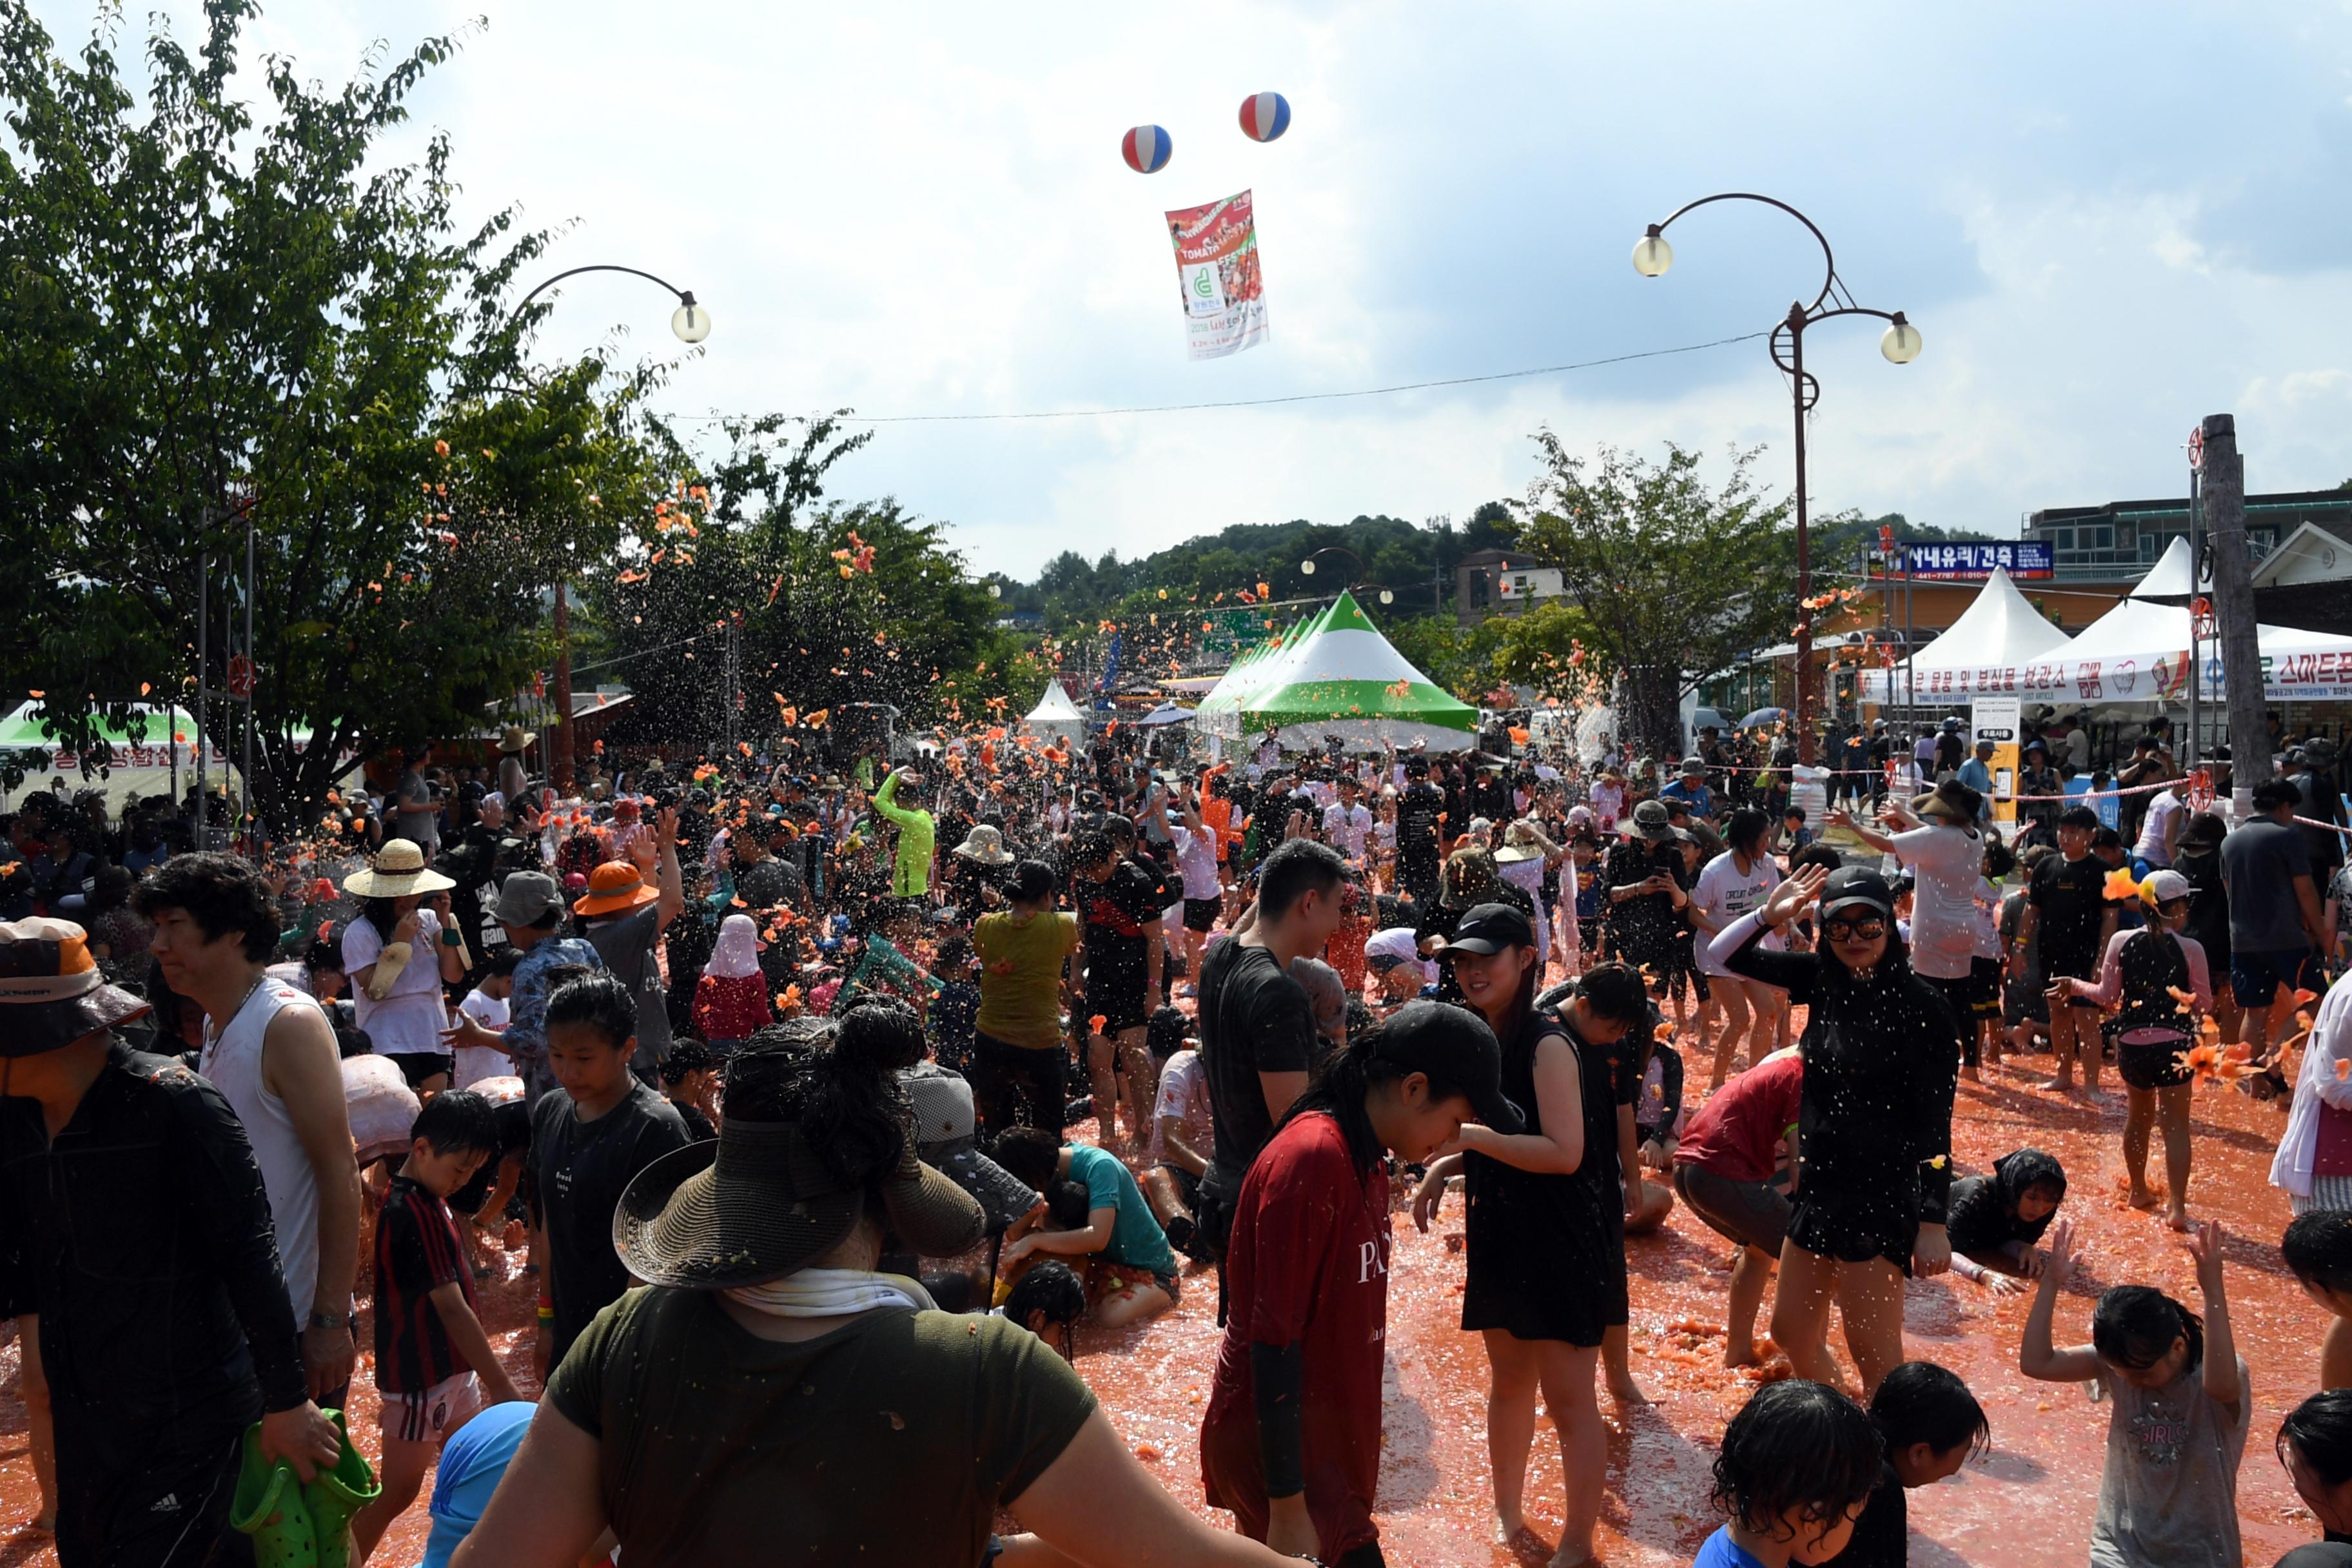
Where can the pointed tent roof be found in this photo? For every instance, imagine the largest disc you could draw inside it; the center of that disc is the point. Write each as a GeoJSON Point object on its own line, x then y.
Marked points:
{"type": "Point", "coordinates": [1054, 706]}
{"type": "Point", "coordinates": [2138, 651]}
{"type": "Point", "coordinates": [1343, 678]}
{"type": "Point", "coordinates": [1997, 635]}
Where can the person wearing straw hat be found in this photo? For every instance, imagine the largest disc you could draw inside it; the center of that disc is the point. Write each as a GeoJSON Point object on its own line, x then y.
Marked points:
{"type": "Point", "coordinates": [976, 866]}
{"type": "Point", "coordinates": [513, 740]}
{"type": "Point", "coordinates": [1940, 840]}
{"type": "Point", "coordinates": [397, 952]}
{"type": "Point", "coordinates": [136, 1217]}
{"type": "Point", "coordinates": [770, 1389]}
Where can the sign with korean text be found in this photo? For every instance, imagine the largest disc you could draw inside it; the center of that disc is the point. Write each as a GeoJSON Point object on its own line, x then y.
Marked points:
{"type": "Point", "coordinates": [2020, 558]}
{"type": "Point", "coordinates": [1217, 263]}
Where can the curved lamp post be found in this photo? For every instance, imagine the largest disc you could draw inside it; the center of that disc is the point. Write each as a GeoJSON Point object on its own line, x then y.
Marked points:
{"type": "Point", "coordinates": [1900, 344]}
{"type": "Point", "coordinates": [692, 323]}
{"type": "Point", "coordinates": [1307, 569]}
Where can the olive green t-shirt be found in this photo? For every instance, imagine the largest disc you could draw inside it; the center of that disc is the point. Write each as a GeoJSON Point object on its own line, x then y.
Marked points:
{"type": "Point", "coordinates": [1021, 977]}
{"type": "Point", "coordinates": [720, 1446]}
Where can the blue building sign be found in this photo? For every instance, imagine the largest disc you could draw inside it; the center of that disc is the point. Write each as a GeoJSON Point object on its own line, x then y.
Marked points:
{"type": "Point", "coordinates": [2024, 558]}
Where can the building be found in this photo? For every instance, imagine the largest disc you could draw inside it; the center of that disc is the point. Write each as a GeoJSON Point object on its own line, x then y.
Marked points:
{"type": "Point", "coordinates": [1490, 583]}
{"type": "Point", "coordinates": [2118, 542]}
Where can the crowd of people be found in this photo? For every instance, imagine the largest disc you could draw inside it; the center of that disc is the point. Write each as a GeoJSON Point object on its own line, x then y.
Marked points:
{"type": "Point", "coordinates": [769, 1069]}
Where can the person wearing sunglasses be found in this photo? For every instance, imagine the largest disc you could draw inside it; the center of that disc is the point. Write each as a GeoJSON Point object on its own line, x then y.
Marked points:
{"type": "Point", "coordinates": [2163, 984]}
{"type": "Point", "coordinates": [1882, 1054]}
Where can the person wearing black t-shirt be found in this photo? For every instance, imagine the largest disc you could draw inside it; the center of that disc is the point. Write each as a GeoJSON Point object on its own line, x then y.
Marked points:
{"type": "Point", "coordinates": [1257, 1030]}
{"type": "Point", "coordinates": [1121, 954]}
{"type": "Point", "coordinates": [2066, 905]}
{"type": "Point", "coordinates": [1646, 895]}
{"type": "Point", "coordinates": [1419, 820]}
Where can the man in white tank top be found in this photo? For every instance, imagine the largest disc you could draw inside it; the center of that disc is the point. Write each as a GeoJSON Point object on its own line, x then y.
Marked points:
{"type": "Point", "coordinates": [271, 1053]}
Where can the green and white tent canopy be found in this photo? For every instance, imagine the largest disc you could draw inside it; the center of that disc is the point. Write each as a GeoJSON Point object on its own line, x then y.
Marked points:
{"type": "Point", "coordinates": [1336, 675]}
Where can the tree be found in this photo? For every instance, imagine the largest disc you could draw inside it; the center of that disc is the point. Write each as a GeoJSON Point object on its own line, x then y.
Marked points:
{"type": "Point", "coordinates": [1676, 580]}
{"type": "Point", "coordinates": [203, 325]}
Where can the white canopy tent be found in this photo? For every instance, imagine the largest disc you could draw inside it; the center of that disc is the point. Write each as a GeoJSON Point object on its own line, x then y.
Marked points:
{"type": "Point", "coordinates": [1341, 679]}
{"type": "Point", "coordinates": [1056, 718]}
{"type": "Point", "coordinates": [1997, 641]}
{"type": "Point", "coordinates": [2138, 651]}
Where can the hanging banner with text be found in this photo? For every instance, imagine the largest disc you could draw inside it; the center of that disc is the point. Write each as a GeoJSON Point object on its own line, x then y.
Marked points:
{"type": "Point", "coordinates": [1217, 263]}
{"type": "Point", "coordinates": [2031, 558]}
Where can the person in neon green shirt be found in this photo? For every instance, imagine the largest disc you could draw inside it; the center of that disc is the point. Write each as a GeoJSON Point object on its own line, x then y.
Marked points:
{"type": "Point", "coordinates": [911, 876]}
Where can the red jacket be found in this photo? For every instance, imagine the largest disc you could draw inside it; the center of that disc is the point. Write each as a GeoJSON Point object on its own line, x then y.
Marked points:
{"type": "Point", "coordinates": [732, 1007]}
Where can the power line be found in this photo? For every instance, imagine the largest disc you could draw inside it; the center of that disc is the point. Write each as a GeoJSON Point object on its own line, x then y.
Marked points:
{"type": "Point", "coordinates": [1270, 401]}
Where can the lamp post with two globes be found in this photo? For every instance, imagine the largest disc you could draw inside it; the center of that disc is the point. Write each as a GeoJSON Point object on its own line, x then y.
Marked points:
{"type": "Point", "coordinates": [1307, 569]}
{"type": "Point", "coordinates": [692, 323]}
{"type": "Point", "coordinates": [1900, 344]}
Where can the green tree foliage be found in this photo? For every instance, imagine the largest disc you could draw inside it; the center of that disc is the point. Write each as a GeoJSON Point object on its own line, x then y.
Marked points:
{"type": "Point", "coordinates": [1676, 579]}
{"type": "Point", "coordinates": [209, 318]}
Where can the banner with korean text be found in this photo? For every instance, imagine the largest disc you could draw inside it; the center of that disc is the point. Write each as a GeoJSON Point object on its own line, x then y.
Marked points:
{"type": "Point", "coordinates": [1216, 264]}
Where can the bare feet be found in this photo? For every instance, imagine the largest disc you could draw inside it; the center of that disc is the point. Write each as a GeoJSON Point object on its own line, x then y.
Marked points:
{"type": "Point", "coordinates": [1560, 1559]}
{"type": "Point", "coordinates": [1509, 1528]}
{"type": "Point", "coordinates": [2142, 1198]}
{"type": "Point", "coordinates": [1740, 1355]}
{"type": "Point", "coordinates": [1971, 1075]}
{"type": "Point", "coordinates": [1624, 1389]}
{"type": "Point", "coordinates": [2058, 1086]}
{"type": "Point", "coordinates": [2176, 1217]}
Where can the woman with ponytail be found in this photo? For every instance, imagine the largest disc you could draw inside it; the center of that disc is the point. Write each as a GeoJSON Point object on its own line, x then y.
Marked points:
{"type": "Point", "coordinates": [1306, 1278]}
{"type": "Point", "coordinates": [2178, 1398]}
{"type": "Point", "coordinates": [771, 1395]}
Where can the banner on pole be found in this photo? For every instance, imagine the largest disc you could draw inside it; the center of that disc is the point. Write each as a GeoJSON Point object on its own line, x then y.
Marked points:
{"type": "Point", "coordinates": [2026, 558]}
{"type": "Point", "coordinates": [1216, 264]}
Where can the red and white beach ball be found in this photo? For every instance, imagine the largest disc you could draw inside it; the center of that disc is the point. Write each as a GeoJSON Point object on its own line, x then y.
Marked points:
{"type": "Point", "coordinates": [1264, 116]}
{"type": "Point", "coordinates": [1146, 149]}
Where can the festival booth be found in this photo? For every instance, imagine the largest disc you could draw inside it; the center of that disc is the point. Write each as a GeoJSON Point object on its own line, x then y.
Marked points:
{"type": "Point", "coordinates": [1338, 675]}
{"type": "Point", "coordinates": [138, 769]}
{"type": "Point", "coordinates": [1994, 646]}
{"type": "Point", "coordinates": [2139, 652]}
{"type": "Point", "coordinates": [1056, 720]}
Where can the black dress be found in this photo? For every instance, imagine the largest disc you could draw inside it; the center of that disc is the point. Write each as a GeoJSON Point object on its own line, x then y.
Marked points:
{"type": "Point", "coordinates": [1546, 1253]}
{"type": "Point", "coordinates": [1874, 1123]}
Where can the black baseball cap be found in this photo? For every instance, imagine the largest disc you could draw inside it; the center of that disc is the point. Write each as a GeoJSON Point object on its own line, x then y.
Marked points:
{"type": "Point", "coordinates": [1856, 885]}
{"type": "Point", "coordinates": [1453, 1044]}
{"type": "Point", "coordinates": [1490, 928]}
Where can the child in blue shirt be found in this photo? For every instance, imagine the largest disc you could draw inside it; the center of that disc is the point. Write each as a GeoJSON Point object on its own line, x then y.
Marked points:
{"type": "Point", "coordinates": [1797, 1465]}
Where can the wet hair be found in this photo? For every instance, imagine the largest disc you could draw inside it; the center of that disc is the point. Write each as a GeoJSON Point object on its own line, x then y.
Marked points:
{"type": "Point", "coordinates": [2106, 839]}
{"type": "Point", "coordinates": [1615, 992]}
{"type": "Point", "coordinates": [1164, 1032]}
{"type": "Point", "coordinates": [838, 1088]}
{"type": "Point", "coordinates": [1797, 1452]}
{"type": "Point", "coordinates": [1919, 1402]}
{"type": "Point", "coordinates": [2204, 828]}
{"type": "Point", "coordinates": [2276, 793]}
{"type": "Point", "coordinates": [458, 1121]}
{"type": "Point", "coordinates": [1999, 861]}
{"type": "Point", "coordinates": [685, 1058]}
{"type": "Point", "coordinates": [1032, 1155]}
{"type": "Point", "coordinates": [598, 998]}
{"type": "Point", "coordinates": [1297, 868]}
{"type": "Point", "coordinates": [2134, 1326]}
{"type": "Point", "coordinates": [880, 1029]}
{"type": "Point", "coordinates": [1345, 1077]}
{"type": "Point", "coordinates": [1796, 812]}
{"type": "Point", "coordinates": [1051, 1286]}
{"type": "Point", "coordinates": [2320, 1428]}
{"type": "Point", "coordinates": [326, 952]}
{"type": "Point", "coordinates": [381, 913]}
{"type": "Point", "coordinates": [1745, 829]}
{"type": "Point", "coordinates": [1033, 881]}
{"type": "Point", "coordinates": [500, 964]}
{"type": "Point", "coordinates": [954, 952]}
{"type": "Point", "coordinates": [221, 893]}
{"type": "Point", "coordinates": [2318, 1247]}
{"type": "Point", "coordinates": [1067, 1203]}
{"type": "Point", "coordinates": [2080, 817]}
{"type": "Point", "coordinates": [1823, 855]}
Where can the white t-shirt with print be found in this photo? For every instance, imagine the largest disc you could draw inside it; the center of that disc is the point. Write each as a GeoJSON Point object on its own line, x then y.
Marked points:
{"type": "Point", "coordinates": [476, 1063]}
{"type": "Point", "coordinates": [1726, 894]}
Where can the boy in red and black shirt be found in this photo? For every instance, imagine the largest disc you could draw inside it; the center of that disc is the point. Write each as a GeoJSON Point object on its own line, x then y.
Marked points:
{"type": "Point", "coordinates": [433, 1359]}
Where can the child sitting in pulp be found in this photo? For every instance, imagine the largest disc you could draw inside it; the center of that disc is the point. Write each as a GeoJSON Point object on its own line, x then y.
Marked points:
{"type": "Point", "coordinates": [1993, 1221]}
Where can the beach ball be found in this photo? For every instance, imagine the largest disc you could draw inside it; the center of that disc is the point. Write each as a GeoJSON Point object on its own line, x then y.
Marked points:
{"type": "Point", "coordinates": [1264, 116]}
{"type": "Point", "coordinates": [1146, 149]}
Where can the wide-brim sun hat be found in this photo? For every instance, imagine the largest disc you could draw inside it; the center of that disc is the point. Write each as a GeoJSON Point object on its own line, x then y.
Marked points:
{"type": "Point", "coordinates": [615, 887]}
{"type": "Point", "coordinates": [985, 844]}
{"type": "Point", "coordinates": [1518, 844]}
{"type": "Point", "coordinates": [397, 870]}
{"type": "Point", "coordinates": [761, 1203]}
{"type": "Point", "coordinates": [515, 738]}
{"type": "Point", "coordinates": [1950, 799]}
{"type": "Point", "coordinates": [52, 992]}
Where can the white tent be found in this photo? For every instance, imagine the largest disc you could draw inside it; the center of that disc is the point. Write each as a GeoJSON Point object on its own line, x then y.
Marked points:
{"type": "Point", "coordinates": [1341, 678]}
{"type": "Point", "coordinates": [2138, 651]}
{"type": "Point", "coordinates": [1998, 639]}
{"type": "Point", "coordinates": [1056, 718]}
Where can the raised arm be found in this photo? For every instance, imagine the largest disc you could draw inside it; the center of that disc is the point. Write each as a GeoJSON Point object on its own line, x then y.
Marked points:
{"type": "Point", "coordinates": [2035, 1356]}
{"type": "Point", "coordinates": [2221, 1383]}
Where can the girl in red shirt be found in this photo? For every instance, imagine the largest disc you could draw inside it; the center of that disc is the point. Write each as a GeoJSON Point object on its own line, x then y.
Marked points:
{"type": "Point", "coordinates": [1306, 1277]}
{"type": "Point", "coordinates": [731, 1000]}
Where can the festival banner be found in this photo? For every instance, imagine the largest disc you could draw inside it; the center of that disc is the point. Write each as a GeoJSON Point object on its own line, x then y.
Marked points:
{"type": "Point", "coordinates": [1216, 266]}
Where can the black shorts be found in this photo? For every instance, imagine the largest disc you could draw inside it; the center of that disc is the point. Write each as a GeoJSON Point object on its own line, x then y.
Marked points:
{"type": "Point", "coordinates": [2082, 966]}
{"type": "Point", "coordinates": [418, 1065]}
{"type": "Point", "coordinates": [1753, 1213]}
{"type": "Point", "coordinates": [1959, 994]}
{"type": "Point", "coordinates": [1984, 987]}
{"type": "Point", "coordinates": [1854, 1232]}
{"type": "Point", "coordinates": [1200, 914]}
{"type": "Point", "coordinates": [1118, 999]}
{"type": "Point", "coordinates": [2154, 1064]}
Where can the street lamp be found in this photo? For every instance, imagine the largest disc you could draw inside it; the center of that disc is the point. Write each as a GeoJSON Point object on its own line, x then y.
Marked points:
{"type": "Point", "coordinates": [692, 323]}
{"type": "Point", "coordinates": [1307, 569]}
{"type": "Point", "coordinates": [1900, 344]}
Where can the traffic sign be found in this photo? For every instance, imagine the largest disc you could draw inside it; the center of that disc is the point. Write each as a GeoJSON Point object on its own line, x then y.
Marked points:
{"type": "Point", "coordinates": [240, 677]}
{"type": "Point", "coordinates": [2197, 447]}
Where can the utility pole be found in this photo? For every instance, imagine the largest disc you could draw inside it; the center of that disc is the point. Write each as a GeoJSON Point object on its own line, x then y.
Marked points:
{"type": "Point", "coordinates": [252, 673]}
{"type": "Point", "coordinates": [204, 650]}
{"type": "Point", "coordinates": [2224, 496]}
{"type": "Point", "coordinates": [560, 770]}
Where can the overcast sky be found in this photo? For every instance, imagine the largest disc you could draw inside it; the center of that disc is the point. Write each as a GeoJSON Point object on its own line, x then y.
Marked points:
{"type": "Point", "coordinates": [2107, 221]}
